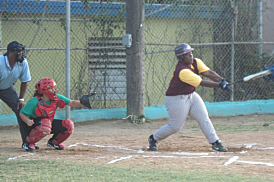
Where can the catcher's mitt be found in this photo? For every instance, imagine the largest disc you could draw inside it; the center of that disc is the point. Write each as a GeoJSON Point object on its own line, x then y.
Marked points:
{"type": "Point", "coordinates": [84, 100]}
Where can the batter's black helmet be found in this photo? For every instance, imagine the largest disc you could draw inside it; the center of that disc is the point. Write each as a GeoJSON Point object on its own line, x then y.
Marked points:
{"type": "Point", "coordinates": [182, 49]}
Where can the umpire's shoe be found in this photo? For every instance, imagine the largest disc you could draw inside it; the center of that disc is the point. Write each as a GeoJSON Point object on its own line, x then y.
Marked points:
{"type": "Point", "coordinates": [217, 146]}
{"type": "Point", "coordinates": [152, 143]}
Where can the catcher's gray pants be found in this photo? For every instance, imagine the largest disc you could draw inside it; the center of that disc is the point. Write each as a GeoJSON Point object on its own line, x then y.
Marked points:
{"type": "Point", "coordinates": [179, 107]}
{"type": "Point", "coordinates": [10, 97]}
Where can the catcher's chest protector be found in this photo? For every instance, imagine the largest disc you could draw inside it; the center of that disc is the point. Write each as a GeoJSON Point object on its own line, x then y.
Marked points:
{"type": "Point", "coordinates": [48, 111]}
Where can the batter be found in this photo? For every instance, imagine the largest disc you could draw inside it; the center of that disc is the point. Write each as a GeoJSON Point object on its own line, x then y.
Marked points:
{"type": "Point", "coordinates": [181, 99]}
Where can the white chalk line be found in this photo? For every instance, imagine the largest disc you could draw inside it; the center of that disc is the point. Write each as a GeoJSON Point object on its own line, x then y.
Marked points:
{"type": "Point", "coordinates": [231, 160]}
{"type": "Point", "coordinates": [184, 157]}
{"type": "Point", "coordinates": [250, 145]}
{"type": "Point", "coordinates": [121, 158]}
{"type": "Point", "coordinates": [267, 148]}
{"type": "Point", "coordinates": [187, 153]}
{"type": "Point", "coordinates": [260, 163]}
{"type": "Point", "coordinates": [13, 158]}
{"type": "Point", "coordinates": [138, 151]}
{"type": "Point", "coordinates": [184, 154]}
{"type": "Point", "coordinates": [235, 159]}
{"type": "Point", "coordinates": [149, 156]}
{"type": "Point", "coordinates": [102, 146]}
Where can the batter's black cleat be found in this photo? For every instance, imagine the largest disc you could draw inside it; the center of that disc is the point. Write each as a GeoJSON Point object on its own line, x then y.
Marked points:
{"type": "Point", "coordinates": [217, 146]}
{"type": "Point", "coordinates": [152, 143]}
{"type": "Point", "coordinates": [28, 147]}
{"type": "Point", "coordinates": [57, 147]}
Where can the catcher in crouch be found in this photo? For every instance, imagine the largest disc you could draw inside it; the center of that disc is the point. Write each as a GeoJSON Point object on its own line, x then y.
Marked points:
{"type": "Point", "coordinates": [39, 113]}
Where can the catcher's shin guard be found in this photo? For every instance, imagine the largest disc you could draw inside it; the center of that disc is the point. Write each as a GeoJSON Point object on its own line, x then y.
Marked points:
{"type": "Point", "coordinates": [39, 132]}
{"type": "Point", "coordinates": [69, 125]}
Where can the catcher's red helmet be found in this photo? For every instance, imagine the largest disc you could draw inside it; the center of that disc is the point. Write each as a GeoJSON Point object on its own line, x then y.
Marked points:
{"type": "Point", "coordinates": [45, 86]}
{"type": "Point", "coordinates": [182, 49]}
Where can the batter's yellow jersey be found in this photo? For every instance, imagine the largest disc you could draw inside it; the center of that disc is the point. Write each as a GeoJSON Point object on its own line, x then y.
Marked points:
{"type": "Point", "coordinates": [191, 78]}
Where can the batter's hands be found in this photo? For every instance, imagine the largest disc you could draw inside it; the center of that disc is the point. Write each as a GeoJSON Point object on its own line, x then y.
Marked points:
{"type": "Point", "coordinates": [228, 88]}
{"type": "Point", "coordinates": [224, 85]}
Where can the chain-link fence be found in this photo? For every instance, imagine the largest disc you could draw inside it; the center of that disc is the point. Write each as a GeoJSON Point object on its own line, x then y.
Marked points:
{"type": "Point", "coordinates": [225, 35]}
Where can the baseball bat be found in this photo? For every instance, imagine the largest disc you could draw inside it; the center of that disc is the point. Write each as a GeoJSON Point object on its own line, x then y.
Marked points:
{"type": "Point", "coordinates": [253, 76]}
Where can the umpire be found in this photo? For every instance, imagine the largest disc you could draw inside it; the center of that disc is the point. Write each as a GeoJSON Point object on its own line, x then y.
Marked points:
{"type": "Point", "coordinates": [14, 66]}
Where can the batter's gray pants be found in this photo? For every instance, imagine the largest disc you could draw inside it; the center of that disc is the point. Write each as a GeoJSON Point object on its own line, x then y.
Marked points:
{"type": "Point", "coordinates": [179, 107]}
{"type": "Point", "coordinates": [10, 97]}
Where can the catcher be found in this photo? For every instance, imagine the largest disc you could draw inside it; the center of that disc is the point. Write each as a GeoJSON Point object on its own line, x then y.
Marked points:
{"type": "Point", "coordinates": [39, 113]}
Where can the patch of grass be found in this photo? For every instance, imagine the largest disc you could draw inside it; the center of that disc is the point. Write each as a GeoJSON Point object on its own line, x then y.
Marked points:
{"type": "Point", "coordinates": [41, 170]}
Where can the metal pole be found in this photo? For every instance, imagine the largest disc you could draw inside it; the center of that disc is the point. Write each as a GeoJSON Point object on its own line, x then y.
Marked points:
{"type": "Point", "coordinates": [260, 17]}
{"type": "Point", "coordinates": [68, 56]}
{"type": "Point", "coordinates": [232, 58]}
{"type": "Point", "coordinates": [1, 53]}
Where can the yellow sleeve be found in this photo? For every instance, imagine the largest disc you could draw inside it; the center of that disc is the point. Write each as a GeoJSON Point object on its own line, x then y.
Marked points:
{"type": "Point", "coordinates": [189, 77]}
{"type": "Point", "coordinates": [201, 66]}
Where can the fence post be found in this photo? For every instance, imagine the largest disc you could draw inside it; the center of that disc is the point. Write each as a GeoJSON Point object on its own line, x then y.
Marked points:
{"type": "Point", "coordinates": [68, 56]}
{"type": "Point", "coordinates": [1, 53]}
{"type": "Point", "coordinates": [135, 57]}
{"type": "Point", "coordinates": [232, 57]}
{"type": "Point", "coordinates": [260, 23]}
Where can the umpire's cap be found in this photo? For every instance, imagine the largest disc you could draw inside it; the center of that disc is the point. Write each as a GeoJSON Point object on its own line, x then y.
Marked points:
{"type": "Point", "coordinates": [182, 49]}
{"type": "Point", "coordinates": [14, 46]}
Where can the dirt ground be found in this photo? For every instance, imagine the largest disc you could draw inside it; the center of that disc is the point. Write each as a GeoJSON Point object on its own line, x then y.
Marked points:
{"type": "Point", "coordinates": [120, 142]}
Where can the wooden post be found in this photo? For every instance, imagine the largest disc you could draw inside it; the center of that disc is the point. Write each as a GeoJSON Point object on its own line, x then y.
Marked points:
{"type": "Point", "coordinates": [135, 57]}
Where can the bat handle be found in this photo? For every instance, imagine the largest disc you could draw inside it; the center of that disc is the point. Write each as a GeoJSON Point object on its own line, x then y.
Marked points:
{"type": "Point", "coordinates": [240, 80]}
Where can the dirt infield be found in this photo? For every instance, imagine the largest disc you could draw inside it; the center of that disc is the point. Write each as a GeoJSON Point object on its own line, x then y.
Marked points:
{"type": "Point", "coordinates": [250, 140]}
